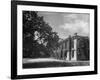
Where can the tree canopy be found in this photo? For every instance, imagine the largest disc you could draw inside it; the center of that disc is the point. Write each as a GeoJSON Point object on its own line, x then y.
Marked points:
{"type": "Point", "coordinates": [39, 40]}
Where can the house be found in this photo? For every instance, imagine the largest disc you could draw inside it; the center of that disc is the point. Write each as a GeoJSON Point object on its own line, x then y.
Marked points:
{"type": "Point", "coordinates": [74, 48]}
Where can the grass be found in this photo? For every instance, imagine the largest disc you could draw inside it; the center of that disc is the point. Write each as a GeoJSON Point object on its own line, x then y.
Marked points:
{"type": "Point", "coordinates": [45, 63]}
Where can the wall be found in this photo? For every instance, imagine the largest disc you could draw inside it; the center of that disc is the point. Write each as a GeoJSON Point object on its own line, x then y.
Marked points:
{"type": "Point", "coordinates": [5, 42]}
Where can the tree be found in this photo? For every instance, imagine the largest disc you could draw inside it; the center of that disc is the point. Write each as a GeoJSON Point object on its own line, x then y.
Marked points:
{"type": "Point", "coordinates": [38, 38]}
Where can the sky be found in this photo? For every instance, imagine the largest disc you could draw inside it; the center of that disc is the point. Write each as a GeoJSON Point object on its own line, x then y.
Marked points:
{"type": "Point", "coordinates": [66, 24]}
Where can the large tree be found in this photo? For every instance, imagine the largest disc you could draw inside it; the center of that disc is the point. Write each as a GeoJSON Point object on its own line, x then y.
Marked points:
{"type": "Point", "coordinates": [38, 38]}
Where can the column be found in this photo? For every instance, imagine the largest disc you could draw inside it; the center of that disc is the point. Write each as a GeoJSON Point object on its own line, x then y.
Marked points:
{"type": "Point", "coordinates": [75, 50]}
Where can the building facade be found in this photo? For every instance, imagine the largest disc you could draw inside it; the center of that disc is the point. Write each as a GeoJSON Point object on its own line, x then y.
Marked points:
{"type": "Point", "coordinates": [74, 48]}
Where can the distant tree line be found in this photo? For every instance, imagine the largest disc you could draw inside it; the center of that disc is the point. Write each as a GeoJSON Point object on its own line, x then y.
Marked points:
{"type": "Point", "coordinates": [38, 38]}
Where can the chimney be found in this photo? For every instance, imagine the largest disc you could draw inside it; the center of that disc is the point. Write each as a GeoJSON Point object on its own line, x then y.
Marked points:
{"type": "Point", "coordinates": [75, 34]}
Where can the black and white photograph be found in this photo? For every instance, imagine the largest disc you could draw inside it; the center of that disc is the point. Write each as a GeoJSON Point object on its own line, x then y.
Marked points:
{"type": "Point", "coordinates": [53, 39]}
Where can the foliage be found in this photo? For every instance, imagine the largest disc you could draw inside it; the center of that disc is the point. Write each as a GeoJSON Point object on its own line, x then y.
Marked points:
{"type": "Point", "coordinates": [38, 38]}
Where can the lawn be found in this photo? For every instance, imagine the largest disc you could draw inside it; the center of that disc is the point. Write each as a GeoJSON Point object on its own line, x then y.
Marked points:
{"type": "Point", "coordinates": [45, 62]}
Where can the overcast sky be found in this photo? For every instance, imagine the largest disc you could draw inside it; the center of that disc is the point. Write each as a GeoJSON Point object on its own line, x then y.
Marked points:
{"type": "Point", "coordinates": [66, 24]}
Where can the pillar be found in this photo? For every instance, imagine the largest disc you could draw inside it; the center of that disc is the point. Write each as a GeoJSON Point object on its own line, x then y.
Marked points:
{"type": "Point", "coordinates": [75, 50]}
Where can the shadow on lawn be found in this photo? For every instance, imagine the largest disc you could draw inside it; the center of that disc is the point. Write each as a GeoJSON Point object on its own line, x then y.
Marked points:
{"type": "Point", "coordinates": [54, 64]}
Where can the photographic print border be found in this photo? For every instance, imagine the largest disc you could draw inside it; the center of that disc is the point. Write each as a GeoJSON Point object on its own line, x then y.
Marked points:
{"type": "Point", "coordinates": [14, 35]}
